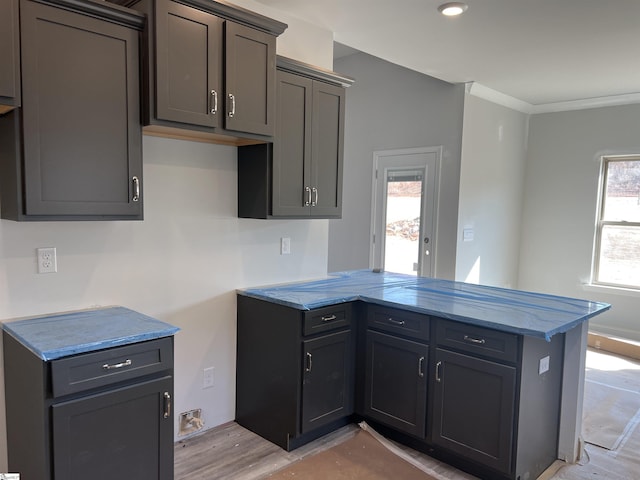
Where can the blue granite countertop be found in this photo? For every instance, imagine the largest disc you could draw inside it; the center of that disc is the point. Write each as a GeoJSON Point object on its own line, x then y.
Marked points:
{"type": "Point", "coordinates": [64, 334]}
{"type": "Point", "coordinates": [514, 311]}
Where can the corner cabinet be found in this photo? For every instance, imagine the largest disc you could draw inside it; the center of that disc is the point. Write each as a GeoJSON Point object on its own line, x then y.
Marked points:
{"type": "Point", "coordinates": [299, 175]}
{"type": "Point", "coordinates": [9, 56]}
{"type": "Point", "coordinates": [73, 150]}
{"type": "Point", "coordinates": [209, 71]}
{"type": "Point", "coordinates": [295, 370]}
{"type": "Point", "coordinates": [100, 415]}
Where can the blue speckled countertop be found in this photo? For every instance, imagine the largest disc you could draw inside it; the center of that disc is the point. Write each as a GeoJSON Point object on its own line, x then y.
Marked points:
{"type": "Point", "coordinates": [514, 311]}
{"type": "Point", "coordinates": [61, 335]}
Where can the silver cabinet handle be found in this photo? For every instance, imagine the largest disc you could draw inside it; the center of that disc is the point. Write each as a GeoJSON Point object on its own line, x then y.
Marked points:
{"type": "Point", "coordinates": [395, 322]}
{"type": "Point", "coordinates": [307, 190]}
{"type": "Point", "coordinates": [329, 318]}
{"type": "Point", "coordinates": [126, 363]}
{"type": "Point", "coordinates": [167, 405]}
{"type": "Point", "coordinates": [477, 341]}
{"type": "Point", "coordinates": [438, 367]}
{"type": "Point", "coordinates": [214, 102]}
{"type": "Point", "coordinates": [421, 367]}
{"type": "Point", "coordinates": [232, 112]}
{"type": "Point", "coordinates": [314, 200]}
{"type": "Point", "coordinates": [136, 189]}
{"type": "Point", "coordinates": [309, 362]}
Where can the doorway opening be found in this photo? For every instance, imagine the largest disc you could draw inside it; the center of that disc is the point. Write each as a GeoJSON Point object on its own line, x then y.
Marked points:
{"type": "Point", "coordinates": [404, 210]}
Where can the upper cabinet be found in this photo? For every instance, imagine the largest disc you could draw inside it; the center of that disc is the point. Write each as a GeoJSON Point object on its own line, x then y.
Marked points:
{"type": "Point", "coordinates": [299, 175]}
{"type": "Point", "coordinates": [73, 150]}
{"type": "Point", "coordinates": [208, 75]}
{"type": "Point", "coordinates": [9, 56]}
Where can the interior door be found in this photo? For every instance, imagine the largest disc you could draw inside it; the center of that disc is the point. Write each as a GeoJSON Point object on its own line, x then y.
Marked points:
{"type": "Point", "coordinates": [405, 193]}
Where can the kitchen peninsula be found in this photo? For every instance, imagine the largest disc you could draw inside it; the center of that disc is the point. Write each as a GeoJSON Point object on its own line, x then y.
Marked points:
{"type": "Point", "coordinates": [488, 379]}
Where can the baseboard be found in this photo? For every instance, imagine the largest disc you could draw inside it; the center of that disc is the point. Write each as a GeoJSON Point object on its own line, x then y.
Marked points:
{"type": "Point", "coordinates": [619, 346]}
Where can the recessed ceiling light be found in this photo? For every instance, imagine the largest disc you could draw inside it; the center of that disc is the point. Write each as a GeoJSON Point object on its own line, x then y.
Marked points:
{"type": "Point", "coordinates": [452, 9]}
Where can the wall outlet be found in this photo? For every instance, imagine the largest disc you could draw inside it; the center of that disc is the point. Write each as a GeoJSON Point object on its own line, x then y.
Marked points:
{"type": "Point", "coordinates": [543, 366]}
{"type": "Point", "coordinates": [47, 262]}
{"type": "Point", "coordinates": [285, 246]}
{"type": "Point", "coordinates": [190, 422]}
{"type": "Point", "coordinates": [207, 377]}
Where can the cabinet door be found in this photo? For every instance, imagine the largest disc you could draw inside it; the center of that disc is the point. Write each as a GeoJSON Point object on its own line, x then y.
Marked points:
{"type": "Point", "coordinates": [9, 55]}
{"type": "Point", "coordinates": [81, 118]}
{"type": "Point", "coordinates": [327, 380]}
{"type": "Point", "coordinates": [473, 409]}
{"type": "Point", "coordinates": [396, 383]}
{"type": "Point", "coordinates": [292, 147]}
{"type": "Point", "coordinates": [250, 80]}
{"type": "Point", "coordinates": [120, 433]}
{"type": "Point", "coordinates": [328, 146]}
{"type": "Point", "coordinates": [188, 64]}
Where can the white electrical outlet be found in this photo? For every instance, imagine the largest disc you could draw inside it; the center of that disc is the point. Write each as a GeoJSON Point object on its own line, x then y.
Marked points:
{"type": "Point", "coordinates": [207, 377]}
{"type": "Point", "coordinates": [285, 246]}
{"type": "Point", "coordinates": [543, 366]}
{"type": "Point", "coordinates": [47, 262]}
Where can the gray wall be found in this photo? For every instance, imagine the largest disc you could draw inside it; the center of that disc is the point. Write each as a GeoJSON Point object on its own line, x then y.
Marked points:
{"type": "Point", "coordinates": [391, 107]}
{"type": "Point", "coordinates": [494, 152]}
{"type": "Point", "coordinates": [560, 198]}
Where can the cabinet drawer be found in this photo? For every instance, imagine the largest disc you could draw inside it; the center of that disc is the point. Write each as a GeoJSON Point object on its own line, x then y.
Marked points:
{"type": "Point", "coordinates": [409, 324]}
{"type": "Point", "coordinates": [106, 367]}
{"type": "Point", "coordinates": [479, 340]}
{"type": "Point", "coordinates": [327, 319]}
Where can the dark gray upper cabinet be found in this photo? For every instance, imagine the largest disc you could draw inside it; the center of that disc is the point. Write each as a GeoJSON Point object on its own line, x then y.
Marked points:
{"type": "Point", "coordinates": [9, 56]}
{"type": "Point", "coordinates": [208, 74]}
{"type": "Point", "coordinates": [73, 151]}
{"type": "Point", "coordinates": [300, 174]}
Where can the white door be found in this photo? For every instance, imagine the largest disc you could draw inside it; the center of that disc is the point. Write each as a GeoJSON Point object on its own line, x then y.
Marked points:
{"type": "Point", "coordinates": [404, 210]}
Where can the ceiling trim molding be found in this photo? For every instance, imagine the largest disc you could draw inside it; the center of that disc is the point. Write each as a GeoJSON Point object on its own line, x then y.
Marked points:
{"type": "Point", "coordinates": [613, 100]}
{"type": "Point", "coordinates": [486, 93]}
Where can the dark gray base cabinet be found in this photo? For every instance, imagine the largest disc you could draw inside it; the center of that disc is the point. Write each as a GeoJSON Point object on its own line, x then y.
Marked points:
{"type": "Point", "coordinates": [483, 400]}
{"type": "Point", "coordinates": [73, 150]}
{"type": "Point", "coordinates": [294, 370]}
{"type": "Point", "coordinates": [209, 68]}
{"type": "Point", "coordinates": [73, 418]}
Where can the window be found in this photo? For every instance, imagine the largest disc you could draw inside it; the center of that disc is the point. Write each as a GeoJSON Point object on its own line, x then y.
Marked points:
{"type": "Point", "coordinates": [617, 249]}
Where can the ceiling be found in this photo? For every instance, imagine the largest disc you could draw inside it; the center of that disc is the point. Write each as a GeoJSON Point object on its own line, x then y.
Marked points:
{"type": "Point", "coordinates": [535, 51]}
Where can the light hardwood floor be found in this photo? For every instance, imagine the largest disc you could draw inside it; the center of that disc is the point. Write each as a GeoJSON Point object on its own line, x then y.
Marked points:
{"type": "Point", "coordinates": [231, 452]}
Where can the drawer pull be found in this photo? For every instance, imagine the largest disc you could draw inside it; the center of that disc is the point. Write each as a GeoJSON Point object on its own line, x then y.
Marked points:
{"type": "Point", "coordinates": [126, 363]}
{"type": "Point", "coordinates": [136, 189]}
{"type": "Point", "coordinates": [309, 362]}
{"type": "Point", "coordinates": [232, 112]}
{"type": "Point", "coordinates": [214, 102]}
{"type": "Point", "coordinates": [421, 367]}
{"type": "Point", "coordinates": [477, 341]}
{"type": "Point", "coordinates": [167, 405]}
{"type": "Point", "coordinates": [329, 318]}
{"type": "Point", "coordinates": [438, 367]}
{"type": "Point", "coordinates": [395, 322]}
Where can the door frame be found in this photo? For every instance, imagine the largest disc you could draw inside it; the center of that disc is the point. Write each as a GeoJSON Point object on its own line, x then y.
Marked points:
{"type": "Point", "coordinates": [375, 252]}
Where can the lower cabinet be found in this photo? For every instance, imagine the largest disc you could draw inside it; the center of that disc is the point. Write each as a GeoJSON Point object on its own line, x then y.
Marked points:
{"type": "Point", "coordinates": [294, 370]}
{"type": "Point", "coordinates": [473, 408]}
{"type": "Point", "coordinates": [484, 400]}
{"type": "Point", "coordinates": [100, 415]}
{"type": "Point", "coordinates": [396, 383]}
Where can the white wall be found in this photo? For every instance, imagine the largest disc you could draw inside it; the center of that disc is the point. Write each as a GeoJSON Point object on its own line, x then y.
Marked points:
{"type": "Point", "coordinates": [390, 107]}
{"type": "Point", "coordinates": [560, 197]}
{"type": "Point", "coordinates": [181, 264]}
{"type": "Point", "coordinates": [491, 182]}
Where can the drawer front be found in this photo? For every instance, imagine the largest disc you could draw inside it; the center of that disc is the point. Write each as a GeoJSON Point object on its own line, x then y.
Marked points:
{"type": "Point", "coordinates": [479, 340]}
{"type": "Point", "coordinates": [327, 319]}
{"type": "Point", "coordinates": [106, 367]}
{"type": "Point", "coordinates": [408, 324]}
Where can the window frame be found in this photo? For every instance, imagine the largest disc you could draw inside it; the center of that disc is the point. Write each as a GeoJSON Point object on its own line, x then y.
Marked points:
{"type": "Point", "coordinates": [606, 160]}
